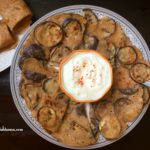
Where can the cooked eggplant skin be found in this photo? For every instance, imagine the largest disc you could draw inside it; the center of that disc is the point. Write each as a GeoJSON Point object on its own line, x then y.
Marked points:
{"type": "Point", "coordinates": [112, 50]}
{"type": "Point", "coordinates": [34, 76]}
{"type": "Point", "coordinates": [140, 72]}
{"type": "Point", "coordinates": [31, 93]}
{"type": "Point", "coordinates": [146, 94]}
{"type": "Point", "coordinates": [60, 105]}
{"type": "Point", "coordinates": [74, 31]}
{"type": "Point", "coordinates": [126, 109]}
{"type": "Point", "coordinates": [124, 82]}
{"type": "Point", "coordinates": [129, 91]}
{"type": "Point", "coordinates": [106, 27]}
{"type": "Point", "coordinates": [59, 52]}
{"type": "Point", "coordinates": [50, 86]}
{"type": "Point", "coordinates": [110, 126]}
{"type": "Point", "coordinates": [53, 71]}
{"type": "Point", "coordinates": [80, 110]}
{"type": "Point", "coordinates": [92, 20]}
{"type": "Point", "coordinates": [61, 96]}
{"type": "Point", "coordinates": [104, 108]}
{"type": "Point", "coordinates": [21, 61]}
{"type": "Point", "coordinates": [48, 34]}
{"type": "Point", "coordinates": [33, 70]}
{"type": "Point", "coordinates": [90, 42]}
{"type": "Point", "coordinates": [70, 20]}
{"type": "Point", "coordinates": [47, 117]}
{"type": "Point", "coordinates": [127, 55]}
{"type": "Point", "coordinates": [34, 51]}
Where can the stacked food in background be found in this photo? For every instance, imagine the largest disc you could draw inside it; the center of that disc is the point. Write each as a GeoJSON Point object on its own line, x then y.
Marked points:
{"type": "Point", "coordinates": [16, 15]}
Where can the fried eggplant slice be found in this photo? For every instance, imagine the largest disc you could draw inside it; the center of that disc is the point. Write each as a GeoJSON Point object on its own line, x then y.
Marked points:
{"type": "Point", "coordinates": [75, 131]}
{"type": "Point", "coordinates": [32, 95]}
{"type": "Point", "coordinates": [53, 71]}
{"type": "Point", "coordinates": [33, 70]}
{"type": "Point", "coordinates": [113, 95]}
{"type": "Point", "coordinates": [52, 114]}
{"type": "Point", "coordinates": [104, 108]}
{"type": "Point", "coordinates": [139, 53]}
{"type": "Point", "coordinates": [124, 109]}
{"type": "Point", "coordinates": [102, 48]}
{"type": "Point", "coordinates": [92, 20]}
{"type": "Point", "coordinates": [58, 53]}
{"type": "Point", "coordinates": [146, 94]}
{"type": "Point", "coordinates": [48, 34]}
{"type": "Point", "coordinates": [128, 109]}
{"type": "Point", "coordinates": [21, 61]}
{"type": "Point", "coordinates": [112, 50]}
{"type": "Point", "coordinates": [73, 33]}
{"type": "Point", "coordinates": [106, 27]}
{"type": "Point", "coordinates": [50, 86]}
{"type": "Point", "coordinates": [127, 55]}
{"type": "Point", "coordinates": [140, 72]}
{"type": "Point", "coordinates": [59, 19]}
{"type": "Point", "coordinates": [60, 105]}
{"type": "Point", "coordinates": [34, 51]}
{"type": "Point", "coordinates": [124, 82]}
{"type": "Point", "coordinates": [90, 42]}
{"type": "Point", "coordinates": [110, 127]}
{"type": "Point", "coordinates": [34, 76]}
{"type": "Point", "coordinates": [47, 117]}
{"type": "Point", "coordinates": [118, 38]}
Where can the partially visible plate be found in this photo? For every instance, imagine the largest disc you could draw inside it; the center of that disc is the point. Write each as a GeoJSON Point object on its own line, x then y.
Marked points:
{"type": "Point", "coordinates": [15, 75]}
{"type": "Point", "coordinates": [7, 55]}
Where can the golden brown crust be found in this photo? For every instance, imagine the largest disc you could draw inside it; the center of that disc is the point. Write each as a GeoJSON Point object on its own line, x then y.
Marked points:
{"type": "Point", "coordinates": [118, 38]}
{"type": "Point", "coordinates": [15, 13]}
{"type": "Point", "coordinates": [75, 131]}
{"type": "Point", "coordinates": [6, 38]}
{"type": "Point", "coordinates": [124, 82]}
{"type": "Point", "coordinates": [106, 27]}
{"type": "Point", "coordinates": [110, 126]}
{"type": "Point", "coordinates": [48, 34]}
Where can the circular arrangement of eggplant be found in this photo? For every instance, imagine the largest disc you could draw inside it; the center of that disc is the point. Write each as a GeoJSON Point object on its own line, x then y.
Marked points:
{"type": "Point", "coordinates": [55, 39]}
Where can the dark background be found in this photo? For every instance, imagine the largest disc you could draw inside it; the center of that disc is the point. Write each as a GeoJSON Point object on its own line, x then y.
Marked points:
{"type": "Point", "coordinates": [138, 13]}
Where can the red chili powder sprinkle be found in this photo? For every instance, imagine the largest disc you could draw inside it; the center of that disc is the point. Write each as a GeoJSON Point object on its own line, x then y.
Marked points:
{"type": "Point", "coordinates": [80, 81]}
{"type": "Point", "coordinates": [76, 68]}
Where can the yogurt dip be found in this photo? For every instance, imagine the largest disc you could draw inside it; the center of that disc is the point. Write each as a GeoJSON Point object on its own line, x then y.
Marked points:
{"type": "Point", "coordinates": [85, 75]}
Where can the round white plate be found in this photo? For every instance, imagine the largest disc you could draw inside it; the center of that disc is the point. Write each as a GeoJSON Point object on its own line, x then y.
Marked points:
{"type": "Point", "coordinates": [7, 56]}
{"type": "Point", "coordinates": [130, 31]}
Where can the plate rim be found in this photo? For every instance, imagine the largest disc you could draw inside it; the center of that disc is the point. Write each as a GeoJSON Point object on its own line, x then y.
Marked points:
{"type": "Point", "coordinates": [11, 51]}
{"type": "Point", "coordinates": [12, 81]}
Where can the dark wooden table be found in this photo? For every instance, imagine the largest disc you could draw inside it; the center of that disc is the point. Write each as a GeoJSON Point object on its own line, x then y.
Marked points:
{"type": "Point", "coordinates": [138, 13]}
